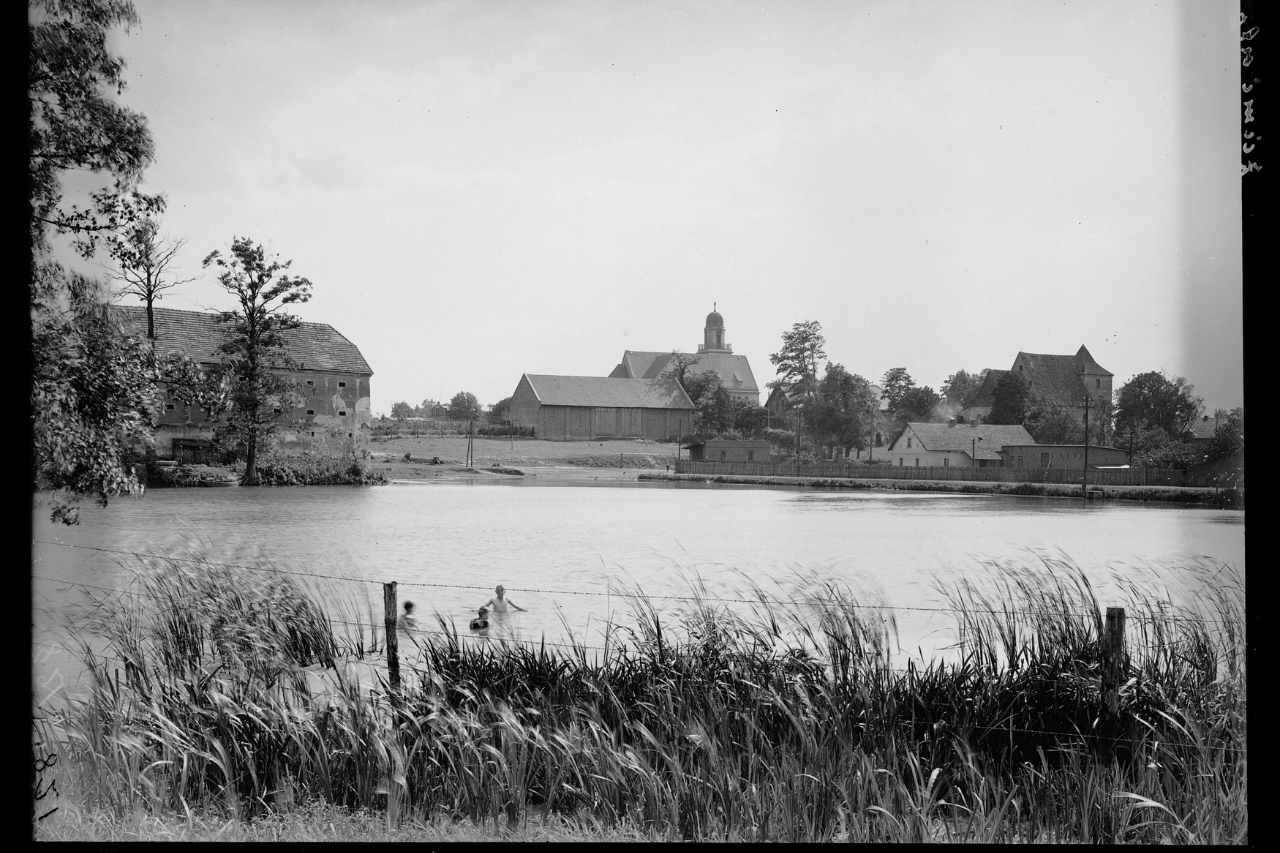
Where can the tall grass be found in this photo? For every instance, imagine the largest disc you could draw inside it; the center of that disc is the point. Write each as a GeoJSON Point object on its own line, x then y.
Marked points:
{"type": "Point", "coordinates": [781, 721]}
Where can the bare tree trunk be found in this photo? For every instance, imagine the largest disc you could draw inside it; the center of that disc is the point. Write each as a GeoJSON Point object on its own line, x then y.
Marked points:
{"type": "Point", "coordinates": [251, 459]}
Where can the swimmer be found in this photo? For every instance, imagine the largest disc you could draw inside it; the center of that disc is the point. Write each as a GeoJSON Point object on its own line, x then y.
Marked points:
{"type": "Point", "coordinates": [408, 622]}
{"type": "Point", "coordinates": [499, 604]}
{"type": "Point", "coordinates": [480, 624]}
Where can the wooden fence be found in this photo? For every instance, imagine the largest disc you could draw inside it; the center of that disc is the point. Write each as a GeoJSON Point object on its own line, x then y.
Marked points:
{"type": "Point", "coordinates": [1097, 476]}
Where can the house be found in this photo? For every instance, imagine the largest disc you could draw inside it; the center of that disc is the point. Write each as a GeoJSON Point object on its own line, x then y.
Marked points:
{"type": "Point", "coordinates": [726, 450]}
{"type": "Point", "coordinates": [588, 407]}
{"type": "Point", "coordinates": [1060, 380]}
{"type": "Point", "coordinates": [947, 445]}
{"type": "Point", "coordinates": [1202, 432]}
{"type": "Point", "coordinates": [979, 407]}
{"type": "Point", "coordinates": [332, 378]}
{"type": "Point", "coordinates": [713, 354]}
{"type": "Point", "coordinates": [784, 406]}
{"type": "Point", "coordinates": [1065, 456]}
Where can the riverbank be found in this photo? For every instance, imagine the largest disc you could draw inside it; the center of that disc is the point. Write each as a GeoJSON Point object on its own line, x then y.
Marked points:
{"type": "Point", "coordinates": [784, 723]}
{"type": "Point", "coordinates": [1172, 494]}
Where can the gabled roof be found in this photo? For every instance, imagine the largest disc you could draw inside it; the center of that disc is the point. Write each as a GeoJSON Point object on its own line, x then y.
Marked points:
{"type": "Point", "coordinates": [942, 438]}
{"type": "Point", "coordinates": [198, 334]}
{"type": "Point", "coordinates": [734, 370]}
{"type": "Point", "coordinates": [1056, 378]}
{"type": "Point", "coordinates": [985, 395]}
{"type": "Point", "coordinates": [604, 391]}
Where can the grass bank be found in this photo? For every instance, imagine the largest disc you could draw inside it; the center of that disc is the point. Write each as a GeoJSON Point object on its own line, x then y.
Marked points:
{"type": "Point", "coordinates": [777, 720]}
{"type": "Point", "coordinates": [1211, 497]}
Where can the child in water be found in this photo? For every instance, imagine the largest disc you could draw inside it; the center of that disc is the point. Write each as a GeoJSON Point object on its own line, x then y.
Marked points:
{"type": "Point", "coordinates": [500, 604]}
{"type": "Point", "coordinates": [408, 622]}
{"type": "Point", "coordinates": [480, 624]}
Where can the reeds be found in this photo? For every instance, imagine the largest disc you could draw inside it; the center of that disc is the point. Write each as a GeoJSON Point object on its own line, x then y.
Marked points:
{"type": "Point", "coordinates": [781, 721]}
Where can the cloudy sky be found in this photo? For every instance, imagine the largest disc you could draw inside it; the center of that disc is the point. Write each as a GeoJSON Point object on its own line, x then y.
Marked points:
{"type": "Point", "coordinates": [483, 189]}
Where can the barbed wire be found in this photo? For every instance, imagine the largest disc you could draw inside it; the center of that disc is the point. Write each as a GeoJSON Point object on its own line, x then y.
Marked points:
{"type": "Point", "coordinates": [626, 594]}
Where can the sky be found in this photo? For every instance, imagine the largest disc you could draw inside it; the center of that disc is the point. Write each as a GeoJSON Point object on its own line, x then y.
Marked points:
{"type": "Point", "coordinates": [478, 190]}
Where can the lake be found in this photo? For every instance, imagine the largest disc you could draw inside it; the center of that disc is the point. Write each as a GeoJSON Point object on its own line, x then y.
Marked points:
{"type": "Point", "coordinates": [566, 552]}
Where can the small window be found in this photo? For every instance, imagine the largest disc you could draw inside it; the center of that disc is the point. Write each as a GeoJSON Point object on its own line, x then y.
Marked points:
{"type": "Point", "coordinates": [277, 411]}
{"type": "Point", "coordinates": [908, 442]}
{"type": "Point", "coordinates": [309, 382]}
{"type": "Point", "coordinates": [313, 433]}
{"type": "Point", "coordinates": [311, 412]}
{"type": "Point", "coordinates": [343, 413]}
{"type": "Point", "coordinates": [901, 461]}
{"type": "Point", "coordinates": [751, 456]}
{"type": "Point", "coordinates": [168, 407]}
{"type": "Point", "coordinates": [722, 455]}
{"type": "Point", "coordinates": [1097, 383]}
{"type": "Point", "coordinates": [349, 435]}
{"type": "Point", "coordinates": [917, 461]}
{"type": "Point", "coordinates": [342, 385]}
{"type": "Point", "coordinates": [946, 462]}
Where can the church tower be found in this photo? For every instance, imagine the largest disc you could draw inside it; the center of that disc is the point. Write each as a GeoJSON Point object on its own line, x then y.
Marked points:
{"type": "Point", "coordinates": [713, 334]}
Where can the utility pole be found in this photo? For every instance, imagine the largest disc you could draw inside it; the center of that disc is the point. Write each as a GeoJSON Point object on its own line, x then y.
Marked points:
{"type": "Point", "coordinates": [1084, 479]}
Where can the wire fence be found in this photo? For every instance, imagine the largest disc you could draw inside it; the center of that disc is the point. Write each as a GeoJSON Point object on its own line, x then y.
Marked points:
{"type": "Point", "coordinates": [565, 592]}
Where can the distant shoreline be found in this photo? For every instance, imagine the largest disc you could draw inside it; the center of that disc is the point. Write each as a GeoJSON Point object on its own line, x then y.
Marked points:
{"type": "Point", "coordinates": [1171, 494]}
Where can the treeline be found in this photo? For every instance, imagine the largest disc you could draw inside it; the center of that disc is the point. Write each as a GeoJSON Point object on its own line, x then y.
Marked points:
{"type": "Point", "coordinates": [1153, 415]}
{"type": "Point", "coordinates": [97, 387]}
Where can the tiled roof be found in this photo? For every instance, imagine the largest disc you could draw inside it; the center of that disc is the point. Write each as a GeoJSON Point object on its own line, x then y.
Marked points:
{"type": "Point", "coordinates": [734, 370]}
{"type": "Point", "coordinates": [1056, 378]}
{"type": "Point", "coordinates": [197, 334]}
{"type": "Point", "coordinates": [943, 438]}
{"type": "Point", "coordinates": [613, 393]}
{"type": "Point", "coordinates": [985, 395]}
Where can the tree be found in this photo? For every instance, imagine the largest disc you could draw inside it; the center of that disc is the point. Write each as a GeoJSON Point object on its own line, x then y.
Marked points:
{"type": "Point", "coordinates": [751, 419]}
{"type": "Point", "coordinates": [464, 407]}
{"type": "Point", "coordinates": [94, 398]}
{"type": "Point", "coordinates": [1154, 398]}
{"type": "Point", "coordinates": [1228, 435]}
{"type": "Point", "coordinates": [844, 413]}
{"type": "Point", "coordinates": [961, 387]}
{"type": "Point", "coordinates": [797, 360]}
{"type": "Point", "coordinates": [895, 383]}
{"type": "Point", "coordinates": [74, 125]}
{"type": "Point", "coordinates": [92, 389]}
{"type": "Point", "coordinates": [918, 404]}
{"type": "Point", "coordinates": [1010, 400]}
{"type": "Point", "coordinates": [1054, 424]}
{"type": "Point", "coordinates": [254, 355]}
{"type": "Point", "coordinates": [401, 411]}
{"type": "Point", "coordinates": [500, 412]}
{"type": "Point", "coordinates": [144, 257]}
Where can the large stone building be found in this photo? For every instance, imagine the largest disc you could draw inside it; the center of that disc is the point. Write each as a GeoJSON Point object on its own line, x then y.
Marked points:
{"type": "Point", "coordinates": [587, 407]}
{"type": "Point", "coordinates": [1061, 380]}
{"type": "Point", "coordinates": [332, 378]}
{"type": "Point", "coordinates": [713, 354]}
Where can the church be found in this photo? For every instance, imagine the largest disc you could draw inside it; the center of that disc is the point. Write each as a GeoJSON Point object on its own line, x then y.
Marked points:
{"type": "Point", "coordinates": [713, 354]}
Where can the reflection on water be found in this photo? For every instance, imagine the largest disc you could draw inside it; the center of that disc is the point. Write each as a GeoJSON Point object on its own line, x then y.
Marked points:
{"type": "Point", "coordinates": [571, 554]}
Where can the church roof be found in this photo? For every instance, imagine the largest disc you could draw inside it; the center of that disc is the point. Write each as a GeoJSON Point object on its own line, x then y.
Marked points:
{"type": "Point", "coordinates": [734, 370]}
{"type": "Point", "coordinates": [608, 392]}
{"type": "Point", "coordinates": [985, 393]}
{"type": "Point", "coordinates": [1056, 378]}
{"type": "Point", "coordinates": [715, 321]}
{"type": "Point", "coordinates": [198, 334]}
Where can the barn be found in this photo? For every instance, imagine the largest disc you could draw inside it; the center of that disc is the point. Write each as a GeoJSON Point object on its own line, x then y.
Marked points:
{"type": "Point", "coordinates": [588, 407]}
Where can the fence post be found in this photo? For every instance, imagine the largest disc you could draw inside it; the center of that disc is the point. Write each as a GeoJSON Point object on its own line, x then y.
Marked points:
{"type": "Point", "coordinates": [1112, 673]}
{"type": "Point", "coordinates": [393, 647]}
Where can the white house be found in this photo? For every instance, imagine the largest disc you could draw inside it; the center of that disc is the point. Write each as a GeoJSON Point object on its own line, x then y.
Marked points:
{"type": "Point", "coordinates": [947, 445]}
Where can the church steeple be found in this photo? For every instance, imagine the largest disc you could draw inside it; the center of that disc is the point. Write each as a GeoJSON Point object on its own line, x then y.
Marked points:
{"type": "Point", "coordinates": [713, 334]}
